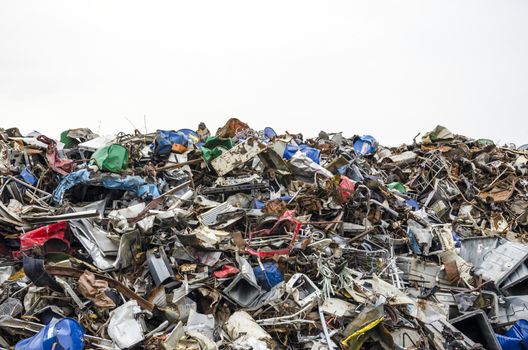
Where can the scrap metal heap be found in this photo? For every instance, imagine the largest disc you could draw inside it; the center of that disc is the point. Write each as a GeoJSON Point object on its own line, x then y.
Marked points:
{"type": "Point", "coordinates": [253, 240]}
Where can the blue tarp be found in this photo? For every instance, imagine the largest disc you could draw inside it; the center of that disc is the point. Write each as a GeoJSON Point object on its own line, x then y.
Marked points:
{"type": "Point", "coordinates": [162, 145]}
{"type": "Point", "coordinates": [77, 177]}
{"type": "Point", "coordinates": [191, 135]}
{"type": "Point", "coordinates": [365, 145]}
{"type": "Point", "coordinates": [174, 137]}
{"type": "Point", "coordinates": [134, 184]}
{"type": "Point", "coordinates": [270, 276]}
{"type": "Point", "coordinates": [310, 152]}
{"type": "Point", "coordinates": [516, 338]}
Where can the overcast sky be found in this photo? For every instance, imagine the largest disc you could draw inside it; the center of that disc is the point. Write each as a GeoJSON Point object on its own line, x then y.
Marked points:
{"type": "Point", "coordinates": [386, 68]}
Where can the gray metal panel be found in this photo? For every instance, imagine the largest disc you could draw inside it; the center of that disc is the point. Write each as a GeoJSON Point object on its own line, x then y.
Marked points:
{"type": "Point", "coordinates": [517, 276]}
{"type": "Point", "coordinates": [512, 309]}
{"type": "Point", "coordinates": [499, 263]}
{"type": "Point", "coordinates": [475, 325]}
{"type": "Point", "coordinates": [209, 217]}
{"type": "Point", "coordinates": [159, 266]}
{"type": "Point", "coordinates": [474, 249]}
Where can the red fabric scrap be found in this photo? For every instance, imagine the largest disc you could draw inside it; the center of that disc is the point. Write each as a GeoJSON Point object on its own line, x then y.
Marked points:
{"type": "Point", "coordinates": [59, 165]}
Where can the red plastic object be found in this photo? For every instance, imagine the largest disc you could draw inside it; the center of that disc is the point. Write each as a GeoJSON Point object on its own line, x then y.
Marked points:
{"type": "Point", "coordinates": [227, 270]}
{"type": "Point", "coordinates": [41, 235]}
{"type": "Point", "coordinates": [346, 187]}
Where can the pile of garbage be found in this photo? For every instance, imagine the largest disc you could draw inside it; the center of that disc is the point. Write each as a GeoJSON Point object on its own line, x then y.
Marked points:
{"type": "Point", "coordinates": [246, 239]}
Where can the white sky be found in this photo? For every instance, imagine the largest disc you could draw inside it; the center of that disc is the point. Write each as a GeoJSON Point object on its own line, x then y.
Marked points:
{"type": "Point", "coordinates": [388, 68]}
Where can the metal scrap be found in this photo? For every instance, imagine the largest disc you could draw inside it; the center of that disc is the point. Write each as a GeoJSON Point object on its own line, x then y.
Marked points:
{"type": "Point", "coordinates": [253, 239]}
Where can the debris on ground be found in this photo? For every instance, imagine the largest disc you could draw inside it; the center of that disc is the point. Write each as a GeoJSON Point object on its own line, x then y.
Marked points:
{"type": "Point", "coordinates": [247, 239]}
